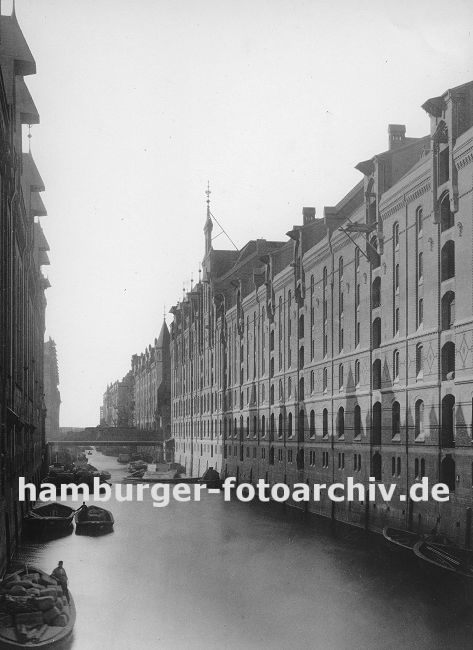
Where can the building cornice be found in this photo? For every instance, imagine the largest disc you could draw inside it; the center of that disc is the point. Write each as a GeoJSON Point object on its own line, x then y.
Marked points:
{"type": "Point", "coordinates": [463, 152]}
{"type": "Point", "coordinates": [405, 193]}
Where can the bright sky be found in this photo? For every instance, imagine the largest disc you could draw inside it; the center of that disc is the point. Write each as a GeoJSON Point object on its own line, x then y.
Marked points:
{"type": "Point", "coordinates": [143, 101]}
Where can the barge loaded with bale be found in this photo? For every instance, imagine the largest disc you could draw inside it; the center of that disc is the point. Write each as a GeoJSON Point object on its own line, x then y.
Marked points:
{"type": "Point", "coordinates": [34, 613]}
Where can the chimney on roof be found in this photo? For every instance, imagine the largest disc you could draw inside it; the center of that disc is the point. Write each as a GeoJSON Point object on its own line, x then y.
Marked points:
{"type": "Point", "coordinates": [397, 135]}
{"type": "Point", "coordinates": [308, 215]}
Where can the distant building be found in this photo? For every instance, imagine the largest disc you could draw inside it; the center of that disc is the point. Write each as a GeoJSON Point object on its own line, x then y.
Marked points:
{"type": "Point", "coordinates": [52, 396]}
{"type": "Point", "coordinates": [151, 374]}
{"type": "Point", "coordinates": [143, 398]}
{"type": "Point", "coordinates": [346, 351]}
{"type": "Point", "coordinates": [117, 409]}
{"type": "Point", "coordinates": [23, 251]}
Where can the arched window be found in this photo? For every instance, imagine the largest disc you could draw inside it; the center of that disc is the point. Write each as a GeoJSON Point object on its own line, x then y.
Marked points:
{"type": "Point", "coordinates": [312, 381]}
{"type": "Point", "coordinates": [376, 292]}
{"type": "Point", "coordinates": [301, 357]}
{"type": "Point", "coordinates": [325, 277]}
{"type": "Point", "coordinates": [271, 456]}
{"type": "Point", "coordinates": [357, 372]}
{"type": "Point", "coordinates": [448, 260]}
{"type": "Point", "coordinates": [419, 221]}
{"type": "Point", "coordinates": [263, 426]}
{"type": "Point", "coordinates": [448, 361]}
{"type": "Point", "coordinates": [301, 326]}
{"type": "Point", "coordinates": [271, 427]}
{"type": "Point", "coordinates": [325, 423]}
{"type": "Point", "coordinates": [357, 258]}
{"type": "Point", "coordinates": [419, 420]}
{"type": "Point", "coordinates": [419, 359]}
{"type": "Point", "coordinates": [324, 379]}
{"type": "Point", "coordinates": [271, 394]}
{"type": "Point", "coordinates": [280, 426]}
{"type": "Point", "coordinates": [447, 218]}
{"type": "Point", "coordinates": [357, 421]}
{"type": "Point", "coordinates": [341, 422]}
{"type": "Point", "coordinates": [447, 472]}
{"type": "Point", "coordinates": [396, 420]}
{"type": "Point", "coordinates": [312, 424]}
{"type": "Point", "coordinates": [377, 374]}
{"type": "Point", "coordinates": [301, 389]}
{"type": "Point", "coordinates": [376, 426]}
{"type": "Point", "coordinates": [396, 235]}
{"type": "Point", "coordinates": [289, 426]}
{"type": "Point", "coordinates": [300, 426]}
{"type": "Point", "coordinates": [448, 310]}
{"type": "Point", "coordinates": [376, 333]}
{"type": "Point", "coordinates": [396, 364]}
{"type": "Point", "coordinates": [340, 376]}
{"type": "Point", "coordinates": [448, 422]}
{"type": "Point", "coordinates": [376, 471]}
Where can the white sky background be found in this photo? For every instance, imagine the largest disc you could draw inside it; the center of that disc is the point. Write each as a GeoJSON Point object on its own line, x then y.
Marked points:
{"type": "Point", "coordinates": [142, 101]}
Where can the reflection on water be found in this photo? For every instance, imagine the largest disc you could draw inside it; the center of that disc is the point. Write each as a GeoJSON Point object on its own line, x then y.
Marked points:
{"type": "Point", "coordinates": [230, 575]}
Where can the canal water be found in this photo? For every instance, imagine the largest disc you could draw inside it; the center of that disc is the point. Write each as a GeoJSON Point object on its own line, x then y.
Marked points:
{"type": "Point", "coordinates": [211, 574]}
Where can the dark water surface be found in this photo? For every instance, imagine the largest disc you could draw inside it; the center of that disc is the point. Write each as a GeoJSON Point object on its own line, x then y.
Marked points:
{"type": "Point", "coordinates": [230, 575]}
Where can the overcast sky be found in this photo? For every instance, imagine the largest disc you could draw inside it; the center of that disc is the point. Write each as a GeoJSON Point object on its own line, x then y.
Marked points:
{"type": "Point", "coordinates": [143, 101]}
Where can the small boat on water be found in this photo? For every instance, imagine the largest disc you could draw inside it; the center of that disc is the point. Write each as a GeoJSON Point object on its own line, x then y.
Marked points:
{"type": "Point", "coordinates": [446, 558]}
{"type": "Point", "coordinates": [211, 479]}
{"type": "Point", "coordinates": [51, 516]}
{"type": "Point", "coordinates": [403, 539]}
{"type": "Point", "coordinates": [33, 611]}
{"type": "Point", "coordinates": [137, 465]}
{"type": "Point", "coordinates": [93, 520]}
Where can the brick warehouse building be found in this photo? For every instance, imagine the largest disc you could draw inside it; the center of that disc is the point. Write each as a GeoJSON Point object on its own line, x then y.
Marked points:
{"type": "Point", "coordinates": [23, 250]}
{"type": "Point", "coordinates": [347, 350]}
{"type": "Point", "coordinates": [142, 399]}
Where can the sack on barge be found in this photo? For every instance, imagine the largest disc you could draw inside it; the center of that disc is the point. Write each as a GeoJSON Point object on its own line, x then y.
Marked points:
{"type": "Point", "coordinates": [30, 619]}
{"type": "Point", "coordinates": [50, 615]}
{"type": "Point", "coordinates": [44, 603]}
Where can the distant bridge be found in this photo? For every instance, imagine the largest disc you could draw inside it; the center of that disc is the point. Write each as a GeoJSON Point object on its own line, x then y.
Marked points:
{"type": "Point", "coordinates": [105, 443]}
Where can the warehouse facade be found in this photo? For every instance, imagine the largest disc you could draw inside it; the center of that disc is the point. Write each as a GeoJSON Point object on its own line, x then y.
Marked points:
{"type": "Point", "coordinates": [23, 252]}
{"type": "Point", "coordinates": [346, 351]}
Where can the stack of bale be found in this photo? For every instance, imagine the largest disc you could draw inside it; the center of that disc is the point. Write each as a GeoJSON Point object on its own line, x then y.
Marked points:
{"type": "Point", "coordinates": [32, 600]}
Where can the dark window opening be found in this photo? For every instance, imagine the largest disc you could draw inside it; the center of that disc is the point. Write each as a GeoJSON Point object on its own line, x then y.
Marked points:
{"type": "Point", "coordinates": [447, 438]}
{"type": "Point", "coordinates": [376, 466]}
{"type": "Point", "coordinates": [448, 310]}
{"type": "Point", "coordinates": [448, 361]}
{"type": "Point", "coordinates": [448, 260]}
{"type": "Point", "coordinates": [376, 426]}
{"type": "Point", "coordinates": [377, 374]}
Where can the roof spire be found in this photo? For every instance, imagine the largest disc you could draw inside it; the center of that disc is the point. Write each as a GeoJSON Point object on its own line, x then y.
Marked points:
{"type": "Point", "coordinates": [13, 11]}
{"type": "Point", "coordinates": [29, 136]}
{"type": "Point", "coordinates": [164, 313]}
{"type": "Point", "coordinates": [208, 193]}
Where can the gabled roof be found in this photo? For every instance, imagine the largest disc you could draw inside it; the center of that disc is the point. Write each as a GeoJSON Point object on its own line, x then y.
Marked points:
{"type": "Point", "coordinates": [31, 176]}
{"type": "Point", "coordinates": [163, 338]}
{"type": "Point", "coordinates": [25, 104]}
{"type": "Point", "coordinates": [13, 44]}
